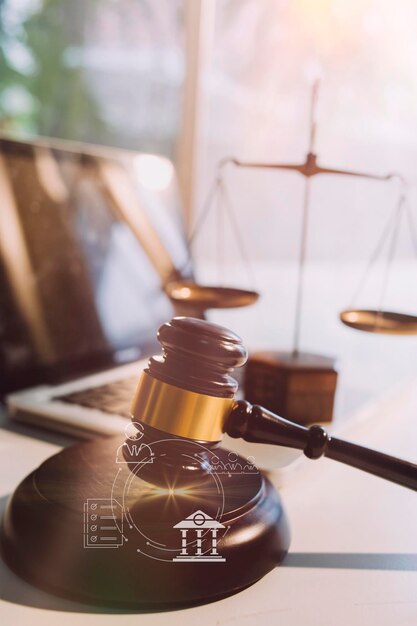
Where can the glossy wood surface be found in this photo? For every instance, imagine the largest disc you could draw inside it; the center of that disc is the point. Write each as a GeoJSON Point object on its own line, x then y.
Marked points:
{"type": "Point", "coordinates": [256, 424]}
{"type": "Point", "coordinates": [206, 297]}
{"type": "Point", "coordinates": [384, 322]}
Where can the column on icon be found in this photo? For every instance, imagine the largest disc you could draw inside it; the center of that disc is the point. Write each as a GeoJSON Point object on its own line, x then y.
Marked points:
{"type": "Point", "coordinates": [214, 541]}
{"type": "Point", "coordinates": [199, 533]}
{"type": "Point", "coordinates": [183, 541]}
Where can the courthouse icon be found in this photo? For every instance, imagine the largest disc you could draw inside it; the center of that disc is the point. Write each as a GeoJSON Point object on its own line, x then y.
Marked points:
{"type": "Point", "coordinates": [192, 528]}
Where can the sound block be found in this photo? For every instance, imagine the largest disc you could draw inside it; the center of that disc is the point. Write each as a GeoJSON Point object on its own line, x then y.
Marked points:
{"type": "Point", "coordinates": [86, 526]}
{"type": "Point", "coordinates": [300, 387]}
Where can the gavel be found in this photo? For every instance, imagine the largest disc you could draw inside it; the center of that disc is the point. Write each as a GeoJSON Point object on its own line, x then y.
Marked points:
{"type": "Point", "coordinates": [181, 482]}
{"type": "Point", "coordinates": [188, 393]}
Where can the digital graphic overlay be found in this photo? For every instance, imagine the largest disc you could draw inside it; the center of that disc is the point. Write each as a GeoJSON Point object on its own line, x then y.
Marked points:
{"type": "Point", "coordinates": [194, 537]}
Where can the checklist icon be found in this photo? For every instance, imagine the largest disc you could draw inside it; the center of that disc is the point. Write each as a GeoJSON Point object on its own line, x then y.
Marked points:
{"type": "Point", "coordinates": [103, 523]}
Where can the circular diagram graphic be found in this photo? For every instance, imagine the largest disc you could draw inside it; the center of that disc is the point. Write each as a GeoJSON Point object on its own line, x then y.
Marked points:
{"type": "Point", "coordinates": [153, 511]}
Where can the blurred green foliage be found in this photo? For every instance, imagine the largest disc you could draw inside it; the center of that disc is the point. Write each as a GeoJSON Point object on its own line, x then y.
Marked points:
{"type": "Point", "coordinates": [43, 89]}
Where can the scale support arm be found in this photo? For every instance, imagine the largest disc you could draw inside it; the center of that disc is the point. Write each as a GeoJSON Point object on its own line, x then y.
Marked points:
{"type": "Point", "coordinates": [258, 425]}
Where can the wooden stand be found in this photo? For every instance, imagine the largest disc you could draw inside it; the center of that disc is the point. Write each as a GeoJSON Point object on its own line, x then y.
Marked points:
{"type": "Point", "coordinates": [45, 534]}
{"type": "Point", "coordinates": [300, 387]}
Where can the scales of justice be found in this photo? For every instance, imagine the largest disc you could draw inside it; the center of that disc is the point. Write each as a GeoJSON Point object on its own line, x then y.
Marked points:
{"type": "Point", "coordinates": [181, 527]}
{"type": "Point", "coordinates": [271, 376]}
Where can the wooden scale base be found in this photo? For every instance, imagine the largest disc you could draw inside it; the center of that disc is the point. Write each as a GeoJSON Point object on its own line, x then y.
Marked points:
{"type": "Point", "coordinates": [85, 527]}
{"type": "Point", "coordinates": [300, 387]}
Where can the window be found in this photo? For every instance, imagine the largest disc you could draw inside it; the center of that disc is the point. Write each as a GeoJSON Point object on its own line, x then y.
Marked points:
{"type": "Point", "coordinates": [102, 71]}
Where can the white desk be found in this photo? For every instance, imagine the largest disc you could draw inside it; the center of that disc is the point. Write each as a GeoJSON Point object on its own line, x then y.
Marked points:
{"type": "Point", "coordinates": [353, 557]}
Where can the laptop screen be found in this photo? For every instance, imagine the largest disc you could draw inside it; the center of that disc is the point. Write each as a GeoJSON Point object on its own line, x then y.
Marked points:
{"type": "Point", "coordinates": [88, 238]}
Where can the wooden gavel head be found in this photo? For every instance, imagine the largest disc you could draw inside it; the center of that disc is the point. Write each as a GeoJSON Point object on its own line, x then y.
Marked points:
{"type": "Point", "coordinates": [185, 395]}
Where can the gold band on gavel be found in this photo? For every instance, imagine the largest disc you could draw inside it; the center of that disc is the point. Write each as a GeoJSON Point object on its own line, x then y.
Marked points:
{"type": "Point", "coordinates": [178, 411]}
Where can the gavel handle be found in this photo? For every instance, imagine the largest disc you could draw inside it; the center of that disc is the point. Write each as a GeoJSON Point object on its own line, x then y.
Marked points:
{"type": "Point", "coordinates": [258, 425]}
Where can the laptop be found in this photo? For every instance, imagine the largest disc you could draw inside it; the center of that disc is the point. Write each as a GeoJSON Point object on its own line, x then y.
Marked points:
{"type": "Point", "coordinates": [89, 236]}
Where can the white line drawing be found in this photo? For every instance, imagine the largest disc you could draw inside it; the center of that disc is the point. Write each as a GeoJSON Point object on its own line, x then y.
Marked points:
{"type": "Point", "coordinates": [149, 547]}
{"type": "Point", "coordinates": [232, 465]}
{"type": "Point", "coordinates": [134, 431]}
{"type": "Point", "coordinates": [100, 527]}
{"type": "Point", "coordinates": [107, 520]}
{"type": "Point", "coordinates": [197, 522]}
{"type": "Point", "coordinates": [138, 453]}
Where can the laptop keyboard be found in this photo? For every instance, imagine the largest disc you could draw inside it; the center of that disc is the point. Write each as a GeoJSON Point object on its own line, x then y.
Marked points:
{"type": "Point", "coordinates": [115, 397]}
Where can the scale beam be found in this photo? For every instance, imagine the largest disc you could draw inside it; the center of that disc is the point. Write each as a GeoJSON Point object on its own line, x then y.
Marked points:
{"type": "Point", "coordinates": [308, 168]}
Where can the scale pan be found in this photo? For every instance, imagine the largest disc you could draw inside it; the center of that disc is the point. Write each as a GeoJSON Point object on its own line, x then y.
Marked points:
{"type": "Point", "coordinates": [208, 297]}
{"type": "Point", "coordinates": [386, 322]}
